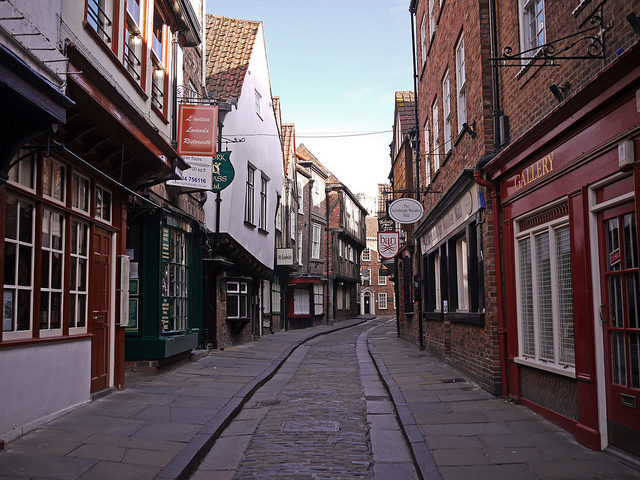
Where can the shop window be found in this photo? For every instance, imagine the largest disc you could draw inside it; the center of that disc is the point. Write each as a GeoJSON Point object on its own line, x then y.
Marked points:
{"type": "Point", "coordinates": [54, 180]}
{"type": "Point", "coordinates": [318, 299]}
{"type": "Point", "coordinates": [446, 112]}
{"type": "Point", "coordinates": [80, 193]}
{"type": "Point", "coordinates": [18, 266]}
{"type": "Point", "coordinates": [263, 203]}
{"type": "Point", "coordinates": [79, 277]}
{"type": "Point", "coordinates": [237, 300]}
{"type": "Point", "coordinates": [100, 14]}
{"type": "Point", "coordinates": [544, 295]}
{"type": "Point", "coordinates": [275, 295]}
{"type": "Point", "coordinates": [103, 204]}
{"type": "Point", "coordinates": [315, 245]}
{"type": "Point", "coordinates": [407, 284]}
{"type": "Point", "coordinates": [301, 301]}
{"type": "Point", "coordinates": [249, 195]}
{"type": "Point", "coordinates": [461, 83]}
{"type": "Point", "coordinates": [174, 280]}
{"type": "Point", "coordinates": [52, 272]}
{"type": "Point", "coordinates": [366, 255]}
{"type": "Point", "coordinates": [23, 172]}
{"type": "Point", "coordinates": [382, 301]}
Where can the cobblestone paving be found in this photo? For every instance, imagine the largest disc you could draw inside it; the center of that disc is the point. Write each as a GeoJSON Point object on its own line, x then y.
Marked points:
{"type": "Point", "coordinates": [308, 422]}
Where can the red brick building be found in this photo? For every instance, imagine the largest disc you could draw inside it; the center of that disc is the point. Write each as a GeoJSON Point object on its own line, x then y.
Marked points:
{"type": "Point", "coordinates": [377, 295]}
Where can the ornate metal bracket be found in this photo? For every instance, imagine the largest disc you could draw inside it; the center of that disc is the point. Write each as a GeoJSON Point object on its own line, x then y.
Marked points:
{"type": "Point", "coordinates": [547, 54]}
{"type": "Point", "coordinates": [187, 95]}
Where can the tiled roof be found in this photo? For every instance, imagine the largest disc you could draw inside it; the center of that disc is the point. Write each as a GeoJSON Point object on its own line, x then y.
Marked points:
{"type": "Point", "coordinates": [405, 109]}
{"type": "Point", "coordinates": [303, 153]}
{"type": "Point", "coordinates": [229, 46]}
{"type": "Point", "coordinates": [288, 141]}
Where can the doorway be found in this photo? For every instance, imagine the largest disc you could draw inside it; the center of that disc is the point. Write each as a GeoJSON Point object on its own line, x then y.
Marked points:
{"type": "Point", "coordinates": [99, 308]}
{"type": "Point", "coordinates": [620, 316]}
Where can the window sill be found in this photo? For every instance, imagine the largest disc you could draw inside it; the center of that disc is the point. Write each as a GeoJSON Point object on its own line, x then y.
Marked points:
{"type": "Point", "coordinates": [37, 341]}
{"type": "Point", "coordinates": [433, 316]}
{"type": "Point", "coordinates": [160, 114]}
{"type": "Point", "coordinates": [263, 231]}
{"type": "Point", "coordinates": [547, 367]}
{"type": "Point", "coordinates": [249, 224]}
{"type": "Point", "coordinates": [469, 318]}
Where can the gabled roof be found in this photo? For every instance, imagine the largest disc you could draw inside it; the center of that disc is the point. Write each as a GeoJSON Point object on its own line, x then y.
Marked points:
{"type": "Point", "coordinates": [303, 153]}
{"type": "Point", "coordinates": [405, 111]}
{"type": "Point", "coordinates": [230, 43]}
{"type": "Point", "coordinates": [288, 142]}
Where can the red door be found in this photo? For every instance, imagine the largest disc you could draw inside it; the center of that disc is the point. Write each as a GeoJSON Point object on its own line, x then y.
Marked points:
{"type": "Point", "coordinates": [620, 314]}
{"type": "Point", "coordinates": [99, 301]}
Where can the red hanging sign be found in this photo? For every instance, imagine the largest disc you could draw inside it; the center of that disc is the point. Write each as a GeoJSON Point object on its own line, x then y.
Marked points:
{"type": "Point", "coordinates": [197, 130]}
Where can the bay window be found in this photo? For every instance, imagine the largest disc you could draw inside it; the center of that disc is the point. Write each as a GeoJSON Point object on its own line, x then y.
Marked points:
{"type": "Point", "coordinates": [174, 280]}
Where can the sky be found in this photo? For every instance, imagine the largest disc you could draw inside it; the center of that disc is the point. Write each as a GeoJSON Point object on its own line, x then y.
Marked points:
{"type": "Point", "coordinates": [336, 65]}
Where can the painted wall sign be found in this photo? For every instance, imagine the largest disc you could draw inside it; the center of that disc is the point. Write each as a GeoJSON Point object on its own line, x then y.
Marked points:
{"type": "Point", "coordinates": [533, 172]}
{"type": "Point", "coordinates": [406, 210]}
{"type": "Point", "coordinates": [388, 244]}
{"type": "Point", "coordinates": [198, 176]}
{"type": "Point", "coordinates": [197, 130]}
{"type": "Point", "coordinates": [223, 172]}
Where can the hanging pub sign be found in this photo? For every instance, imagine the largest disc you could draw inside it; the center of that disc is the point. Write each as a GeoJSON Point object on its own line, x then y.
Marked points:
{"type": "Point", "coordinates": [385, 224]}
{"type": "Point", "coordinates": [197, 130]}
{"type": "Point", "coordinates": [388, 244]}
{"type": "Point", "coordinates": [223, 171]}
{"type": "Point", "coordinates": [406, 210]}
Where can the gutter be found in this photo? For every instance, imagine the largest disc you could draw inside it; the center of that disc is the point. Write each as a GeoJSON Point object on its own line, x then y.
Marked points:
{"type": "Point", "coordinates": [502, 330]}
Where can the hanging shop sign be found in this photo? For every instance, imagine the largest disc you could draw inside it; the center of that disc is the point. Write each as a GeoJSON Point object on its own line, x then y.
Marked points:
{"type": "Point", "coordinates": [198, 176]}
{"type": "Point", "coordinates": [406, 210]}
{"type": "Point", "coordinates": [197, 130]}
{"type": "Point", "coordinates": [284, 256]}
{"type": "Point", "coordinates": [223, 171]}
{"type": "Point", "coordinates": [388, 244]}
{"type": "Point", "coordinates": [385, 224]}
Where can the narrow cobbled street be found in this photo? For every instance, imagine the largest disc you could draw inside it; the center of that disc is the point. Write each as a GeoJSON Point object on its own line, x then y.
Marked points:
{"type": "Point", "coordinates": [325, 414]}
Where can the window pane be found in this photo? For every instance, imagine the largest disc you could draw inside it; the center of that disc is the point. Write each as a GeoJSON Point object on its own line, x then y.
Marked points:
{"type": "Point", "coordinates": [526, 297]}
{"type": "Point", "coordinates": [9, 263]}
{"type": "Point", "coordinates": [56, 270]}
{"type": "Point", "coordinates": [613, 244]}
{"type": "Point", "coordinates": [72, 310]}
{"type": "Point", "coordinates": [82, 310]}
{"type": "Point", "coordinates": [24, 266]}
{"type": "Point", "coordinates": [630, 241]}
{"type": "Point", "coordinates": [26, 222]}
{"type": "Point", "coordinates": [545, 308]}
{"type": "Point", "coordinates": [633, 300]}
{"type": "Point", "coordinates": [24, 310]}
{"type": "Point", "coordinates": [634, 346]}
{"type": "Point", "coordinates": [56, 310]}
{"type": "Point", "coordinates": [618, 360]}
{"type": "Point", "coordinates": [44, 310]}
{"type": "Point", "coordinates": [616, 315]}
{"type": "Point", "coordinates": [565, 295]}
{"type": "Point", "coordinates": [233, 308]}
{"type": "Point", "coordinates": [44, 271]}
{"type": "Point", "coordinates": [82, 275]}
{"type": "Point", "coordinates": [106, 209]}
{"type": "Point", "coordinates": [11, 218]}
{"type": "Point", "coordinates": [8, 307]}
{"type": "Point", "coordinates": [243, 306]}
{"type": "Point", "coordinates": [46, 176]}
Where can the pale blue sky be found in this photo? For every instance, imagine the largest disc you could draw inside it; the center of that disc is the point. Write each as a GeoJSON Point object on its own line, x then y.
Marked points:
{"type": "Point", "coordinates": [336, 64]}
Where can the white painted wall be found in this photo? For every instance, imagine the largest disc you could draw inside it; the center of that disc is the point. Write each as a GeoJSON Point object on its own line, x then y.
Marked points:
{"type": "Point", "coordinates": [41, 381]}
{"type": "Point", "coordinates": [262, 149]}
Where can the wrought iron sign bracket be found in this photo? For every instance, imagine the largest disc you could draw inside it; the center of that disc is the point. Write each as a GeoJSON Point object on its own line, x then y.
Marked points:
{"type": "Point", "coordinates": [560, 49]}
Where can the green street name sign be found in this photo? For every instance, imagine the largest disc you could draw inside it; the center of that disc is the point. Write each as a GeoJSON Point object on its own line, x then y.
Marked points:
{"type": "Point", "coordinates": [223, 171]}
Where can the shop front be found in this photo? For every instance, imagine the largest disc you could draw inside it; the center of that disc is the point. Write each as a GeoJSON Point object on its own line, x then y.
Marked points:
{"type": "Point", "coordinates": [306, 301]}
{"type": "Point", "coordinates": [569, 204]}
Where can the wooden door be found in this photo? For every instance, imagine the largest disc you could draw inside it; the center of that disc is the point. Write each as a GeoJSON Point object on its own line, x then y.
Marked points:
{"type": "Point", "coordinates": [620, 314]}
{"type": "Point", "coordinates": [99, 308]}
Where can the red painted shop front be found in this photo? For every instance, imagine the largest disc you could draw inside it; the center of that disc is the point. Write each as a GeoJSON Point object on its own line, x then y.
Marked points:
{"type": "Point", "coordinates": [571, 265]}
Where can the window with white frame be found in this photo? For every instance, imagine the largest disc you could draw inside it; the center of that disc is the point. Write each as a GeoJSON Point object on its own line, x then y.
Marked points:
{"type": "Point", "coordinates": [427, 153]}
{"type": "Point", "coordinates": [133, 39]}
{"type": "Point", "coordinates": [23, 172]}
{"type": "Point", "coordinates": [382, 301]}
{"type": "Point", "coordinates": [366, 255]}
{"type": "Point", "coordinates": [299, 247]}
{"type": "Point", "coordinates": [249, 195]}
{"type": "Point", "coordinates": [80, 193]}
{"type": "Point", "coordinates": [237, 300]}
{"type": "Point", "coordinates": [461, 83]}
{"type": "Point", "coordinates": [340, 248]}
{"type": "Point", "coordinates": [318, 299]}
{"type": "Point", "coordinates": [175, 280]}
{"type": "Point", "coordinates": [382, 279]}
{"type": "Point", "coordinates": [103, 204]}
{"type": "Point", "coordinates": [19, 240]}
{"type": "Point", "coordinates": [532, 24]}
{"type": "Point", "coordinates": [79, 277]}
{"type": "Point", "coordinates": [423, 38]}
{"type": "Point", "coordinates": [544, 295]}
{"type": "Point", "coordinates": [263, 203]}
{"type": "Point", "coordinates": [436, 133]}
{"type": "Point", "coordinates": [315, 244]}
{"type": "Point", "coordinates": [446, 112]}
{"type": "Point", "coordinates": [462, 276]}
{"type": "Point", "coordinates": [432, 18]}
{"type": "Point", "coordinates": [52, 270]}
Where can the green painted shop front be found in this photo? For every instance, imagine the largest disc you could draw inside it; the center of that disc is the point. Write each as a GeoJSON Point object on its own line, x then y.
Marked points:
{"type": "Point", "coordinates": [165, 286]}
